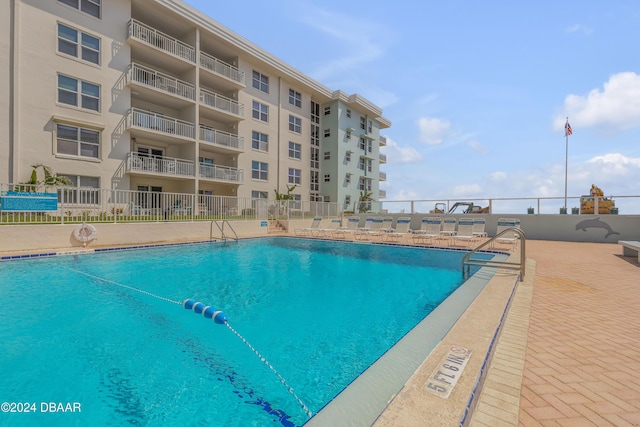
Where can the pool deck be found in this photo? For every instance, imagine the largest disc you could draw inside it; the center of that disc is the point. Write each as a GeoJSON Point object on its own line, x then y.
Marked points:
{"type": "Point", "coordinates": [569, 352]}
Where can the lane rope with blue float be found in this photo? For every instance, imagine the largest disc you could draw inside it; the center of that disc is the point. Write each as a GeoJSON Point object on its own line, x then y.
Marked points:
{"type": "Point", "coordinates": [209, 312]}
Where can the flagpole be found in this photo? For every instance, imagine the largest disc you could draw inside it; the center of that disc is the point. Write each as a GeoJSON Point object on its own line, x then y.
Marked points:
{"type": "Point", "coordinates": [566, 161]}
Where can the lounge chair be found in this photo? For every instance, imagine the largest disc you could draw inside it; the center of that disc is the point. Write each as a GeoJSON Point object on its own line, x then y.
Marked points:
{"type": "Point", "coordinates": [402, 229]}
{"type": "Point", "coordinates": [361, 232]}
{"type": "Point", "coordinates": [448, 228]}
{"type": "Point", "coordinates": [375, 230]}
{"type": "Point", "coordinates": [333, 226]}
{"type": "Point", "coordinates": [352, 225]}
{"type": "Point", "coordinates": [430, 229]}
{"type": "Point", "coordinates": [387, 224]}
{"type": "Point", "coordinates": [478, 227]}
{"type": "Point", "coordinates": [308, 231]}
{"type": "Point", "coordinates": [464, 232]}
{"type": "Point", "coordinates": [509, 237]}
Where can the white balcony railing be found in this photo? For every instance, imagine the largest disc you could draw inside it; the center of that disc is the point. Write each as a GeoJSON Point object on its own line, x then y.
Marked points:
{"type": "Point", "coordinates": [137, 162]}
{"type": "Point", "coordinates": [383, 176]}
{"type": "Point", "coordinates": [383, 141]}
{"type": "Point", "coordinates": [163, 82]}
{"type": "Point", "coordinates": [383, 158]}
{"type": "Point", "coordinates": [217, 137]}
{"type": "Point", "coordinates": [382, 194]}
{"type": "Point", "coordinates": [221, 102]}
{"type": "Point", "coordinates": [166, 43]}
{"type": "Point", "coordinates": [221, 173]}
{"type": "Point", "coordinates": [159, 123]}
{"type": "Point", "coordinates": [222, 68]}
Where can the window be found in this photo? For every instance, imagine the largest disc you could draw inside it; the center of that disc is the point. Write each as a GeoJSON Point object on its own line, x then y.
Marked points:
{"type": "Point", "coordinates": [294, 176]}
{"type": "Point", "coordinates": [295, 124]}
{"type": "Point", "coordinates": [327, 155]}
{"type": "Point", "coordinates": [259, 141]}
{"type": "Point", "coordinates": [362, 144]}
{"type": "Point", "coordinates": [69, 89]}
{"type": "Point", "coordinates": [294, 150]}
{"type": "Point", "coordinates": [259, 195]}
{"type": "Point", "coordinates": [347, 156]}
{"type": "Point", "coordinates": [348, 113]}
{"type": "Point", "coordinates": [363, 123]}
{"type": "Point", "coordinates": [370, 127]}
{"type": "Point", "coordinates": [327, 133]}
{"type": "Point", "coordinates": [259, 170]}
{"type": "Point", "coordinates": [348, 134]}
{"type": "Point", "coordinates": [91, 7]}
{"type": "Point", "coordinates": [295, 98]}
{"type": "Point", "coordinates": [71, 40]}
{"type": "Point", "coordinates": [75, 141]}
{"type": "Point", "coordinates": [315, 158]}
{"type": "Point", "coordinates": [364, 184]}
{"type": "Point", "coordinates": [361, 163]}
{"type": "Point", "coordinates": [260, 82]}
{"type": "Point", "coordinates": [369, 165]}
{"type": "Point", "coordinates": [327, 110]}
{"type": "Point", "coordinates": [315, 186]}
{"type": "Point", "coordinates": [260, 111]}
{"type": "Point", "coordinates": [369, 146]}
{"type": "Point", "coordinates": [347, 179]}
{"type": "Point", "coordinates": [347, 200]}
{"type": "Point", "coordinates": [327, 177]}
{"type": "Point", "coordinates": [83, 190]}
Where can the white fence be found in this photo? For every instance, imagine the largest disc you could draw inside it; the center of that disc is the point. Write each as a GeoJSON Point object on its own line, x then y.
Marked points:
{"type": "Point", "coordinates": [19, 205]}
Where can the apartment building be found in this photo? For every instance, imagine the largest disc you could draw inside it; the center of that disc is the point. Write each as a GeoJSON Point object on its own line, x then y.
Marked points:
{"type": "Point", "coordinates": [152, 95]}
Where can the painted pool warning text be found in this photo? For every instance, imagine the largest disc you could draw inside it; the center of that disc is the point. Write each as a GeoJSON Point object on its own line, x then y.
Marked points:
{"type": "Point", "coordinates": [445, 377]}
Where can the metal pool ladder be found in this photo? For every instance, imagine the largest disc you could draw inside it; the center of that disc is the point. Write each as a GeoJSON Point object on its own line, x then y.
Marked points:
{"type": "Point", "coordinates": [221, 229]}
{"type": "Point", "coordinates": [467, 261]}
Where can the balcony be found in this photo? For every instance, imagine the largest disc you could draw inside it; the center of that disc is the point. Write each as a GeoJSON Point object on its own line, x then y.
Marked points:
{"type": "Point", "coordinates": [382, 194]}
{"type": "Point", "coordinates": [149, 78]}
{"type": "Point", "coordinates": [143, 33]}
{"type": "Point", "coordinates": [221, 139]}
{"type": "Point", "coordinates": [222, 107]}
{"type": "Point", "coordinates": [221, 173]}
{"type": "Point", "coordinates": [166, 166]}
{"type": "Point", "coordinates": [227, 75]}
{"type": "Point", "coordinates": [383, 141]}
{"type": "Point", "coordinates": [383, 176]}
{"type": "Point", "coordinates": [159, 124]}
{"type": "Point", "coordinates": [383, 159]}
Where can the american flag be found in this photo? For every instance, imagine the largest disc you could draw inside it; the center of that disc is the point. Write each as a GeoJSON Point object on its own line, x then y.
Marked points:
{"type": "Point", "coordinates": [567, 129]}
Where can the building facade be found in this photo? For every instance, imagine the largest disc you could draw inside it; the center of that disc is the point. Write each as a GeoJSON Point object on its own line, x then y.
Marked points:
{"type": "Point", "coordinates": [151, 95]}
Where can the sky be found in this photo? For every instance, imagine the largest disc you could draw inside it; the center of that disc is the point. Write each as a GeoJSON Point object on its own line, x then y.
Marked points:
{"type": "Point", "coordinates": [478, 93]}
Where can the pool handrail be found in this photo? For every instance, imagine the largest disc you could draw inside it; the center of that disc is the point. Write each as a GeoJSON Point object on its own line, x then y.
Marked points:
{"type": "Point", "coordinates": [467, 261]}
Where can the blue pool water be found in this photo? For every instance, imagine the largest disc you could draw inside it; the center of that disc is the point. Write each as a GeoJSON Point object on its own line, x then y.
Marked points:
{"type": "Point", "coordinates": [320, 312]}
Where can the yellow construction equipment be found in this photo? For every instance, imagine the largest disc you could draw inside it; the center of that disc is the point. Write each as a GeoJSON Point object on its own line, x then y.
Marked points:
{"type": "Point", "coordinates": [605, 204]}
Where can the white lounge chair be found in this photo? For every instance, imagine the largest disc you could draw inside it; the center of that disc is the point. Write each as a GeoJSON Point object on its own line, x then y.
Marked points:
{"type": "Point", "coordinates": [509, 237]}
{"type": "Point", "coordinates": [478, 227]}
{"type": "Point", "coordinates": [375, 230]}
{"type": "Point", "coordinates": [430, 229]}
{"type": "Point", "coordinates": [387, 224]}
{"type": "Point", "coordinates": [448, 228]}
{"type": "Point", "coordinates": [402, 229]}
{"type": "Point", "coordinates": [352, 225]}
{"type": "Point", "coordinates": [333, 226]}
{"type": "Point", "coordinates": [361, 232]}
{"type": "Point", "coordinates": [308, 231]}
{"type": "Point", "coordinates": [464, 232]}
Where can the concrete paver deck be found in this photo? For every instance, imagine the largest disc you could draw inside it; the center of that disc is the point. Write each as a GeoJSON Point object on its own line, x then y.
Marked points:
{"type": "Point", "coordinates": [582, 364]}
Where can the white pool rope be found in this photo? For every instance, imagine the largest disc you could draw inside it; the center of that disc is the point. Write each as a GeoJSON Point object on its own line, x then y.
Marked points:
{"type": "Point", "coordinates": [266, 362]}
{"type": "Point", "coordinates": [257, 353]}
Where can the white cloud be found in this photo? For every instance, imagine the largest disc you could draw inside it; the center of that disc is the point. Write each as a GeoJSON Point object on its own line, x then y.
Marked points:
{"type": "Point", "coordinates": [498, 176]}
{"type": "Point", "coordinates": [398, 154]}
{"type": "Point", "coordinates": [467, 190]}
{"type": "Point", "coordinates": [477, 147]}
{"type": "Point", "coordinates": [432, 131]}
{"type": "Point", "coordinates": [616, 107]}
{"type": "Point", "coordinates": [577, 28]}
{"type": "Point", "coordinates": [615, 164]}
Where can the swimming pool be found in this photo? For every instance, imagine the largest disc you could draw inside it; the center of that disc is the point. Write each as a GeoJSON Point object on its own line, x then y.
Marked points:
{"type": "Point", "coordinates": [320, 312]}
